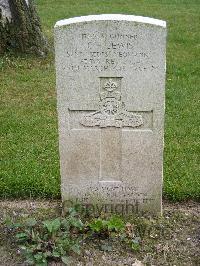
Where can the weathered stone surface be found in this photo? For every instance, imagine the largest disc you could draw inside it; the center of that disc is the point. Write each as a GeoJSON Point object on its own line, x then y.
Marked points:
{"type": "Point", "coordinates": [110, 88]}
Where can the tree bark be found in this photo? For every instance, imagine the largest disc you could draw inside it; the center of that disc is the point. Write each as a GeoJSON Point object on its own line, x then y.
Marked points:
{"type": "Point", "coordinates": [20, 28]}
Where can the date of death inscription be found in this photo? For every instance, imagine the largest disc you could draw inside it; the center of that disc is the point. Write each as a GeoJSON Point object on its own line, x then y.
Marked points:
{"type": "Point", "coordinates": [101, 52]}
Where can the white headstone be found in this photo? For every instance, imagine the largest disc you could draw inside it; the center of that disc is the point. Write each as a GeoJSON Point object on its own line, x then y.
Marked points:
{"type": "Point", "coordinates": [111, 90]}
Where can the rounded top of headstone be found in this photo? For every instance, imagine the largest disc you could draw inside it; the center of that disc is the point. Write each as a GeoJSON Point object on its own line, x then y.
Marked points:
{"type": "Point", "coordinates": [111, 17]}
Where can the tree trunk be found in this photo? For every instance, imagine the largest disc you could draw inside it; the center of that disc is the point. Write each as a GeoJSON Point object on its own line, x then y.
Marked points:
{"type": "Point", "coordinates": [20, 28]}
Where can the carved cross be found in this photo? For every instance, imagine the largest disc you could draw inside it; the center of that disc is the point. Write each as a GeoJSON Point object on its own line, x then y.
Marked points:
{"type": "Point", "coordinates": [111, 117]}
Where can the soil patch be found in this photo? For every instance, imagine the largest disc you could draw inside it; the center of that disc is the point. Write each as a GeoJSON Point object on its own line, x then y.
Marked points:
{"type": "Point", "coordinates": [175, 239]}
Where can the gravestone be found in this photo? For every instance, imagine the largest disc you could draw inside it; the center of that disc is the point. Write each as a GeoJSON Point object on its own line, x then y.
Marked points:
{"type": "Point", "coordinates": [110, 73]}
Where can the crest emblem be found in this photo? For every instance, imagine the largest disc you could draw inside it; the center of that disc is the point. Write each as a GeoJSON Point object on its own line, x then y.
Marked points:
{"type": "Point", "coordinates": [112, 111]}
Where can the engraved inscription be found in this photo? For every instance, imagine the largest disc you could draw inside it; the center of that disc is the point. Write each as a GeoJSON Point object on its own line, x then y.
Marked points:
{"type": "Point", "coordinates": [112, 111]}
{"type": "Point", "coordinates": [110, 51]}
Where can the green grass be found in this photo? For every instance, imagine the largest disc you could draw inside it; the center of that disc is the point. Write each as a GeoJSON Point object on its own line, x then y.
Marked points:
{"type": "Point", "coordinates": [29, 137]}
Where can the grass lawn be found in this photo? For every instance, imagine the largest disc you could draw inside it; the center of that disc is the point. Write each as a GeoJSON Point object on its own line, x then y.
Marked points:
{"type": "Point", "coordinates": [29, 136]}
